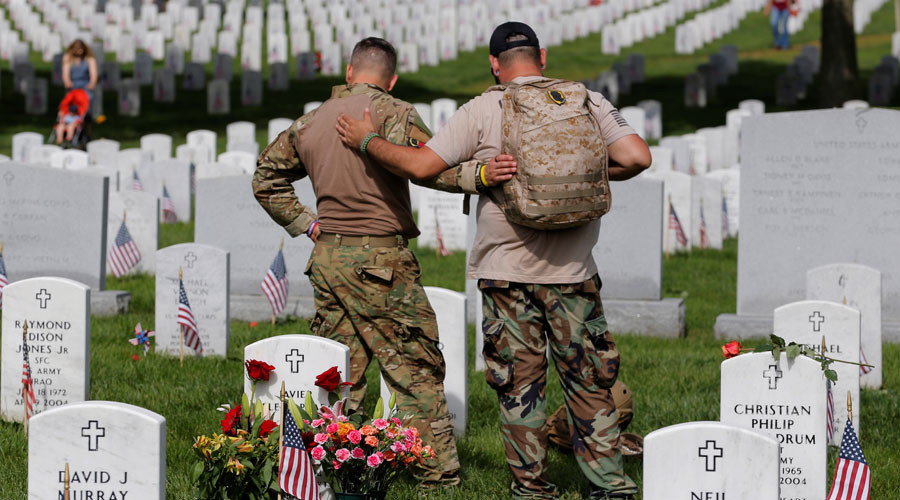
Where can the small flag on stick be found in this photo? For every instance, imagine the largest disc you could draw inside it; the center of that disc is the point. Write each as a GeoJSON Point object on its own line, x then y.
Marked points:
{"type": "Point", "coordinates": [275, 283]}
{"type": "Point", "coordinates": [441, 249]}
{"type": "Point", "coordinates": [704, 236]}
{"type": "Point", "coordinates": [852, 478]}
{"type": "Point", "coordinates": [675, 225]}
{"type": "Point", "coordinates": [124, 253]}
{"type": "Point", "coordinates": [189, 334]}
{"type": "Point", "coordinates": [296, 475]}
{"type": "Point", "coordinates": [136, 184]}
{"type": "Point", "coordinates": [724, 216]}
{"type": "Point", "coordinates": [27, 383]}
{"type": "Point", "coordinates": [3, 279]}
{"type": "Point", "coordinates": [168, 208]}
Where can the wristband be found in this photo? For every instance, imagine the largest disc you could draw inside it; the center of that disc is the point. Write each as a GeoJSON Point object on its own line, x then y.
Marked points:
{"type": "Point", "coordinates": [312, 227]}
{"type": "Point", "coordinates": [365, 141]}
{"type": "Point", "coordinates": [481, 174]}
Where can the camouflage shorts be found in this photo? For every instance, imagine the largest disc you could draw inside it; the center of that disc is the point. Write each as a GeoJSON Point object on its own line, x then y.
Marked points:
{"type": "Point", "coordinates": [518, 321]}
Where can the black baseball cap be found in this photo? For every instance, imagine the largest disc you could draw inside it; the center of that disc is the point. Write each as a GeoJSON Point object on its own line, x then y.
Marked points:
{"type": "Point", "coordinates": [505, 30]}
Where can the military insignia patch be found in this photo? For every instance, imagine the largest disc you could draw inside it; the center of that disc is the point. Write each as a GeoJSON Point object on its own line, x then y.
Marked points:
{"type": "Point", "coordinates": [557, 97]}
{"type": "Point", "coordinates": [415, 143]}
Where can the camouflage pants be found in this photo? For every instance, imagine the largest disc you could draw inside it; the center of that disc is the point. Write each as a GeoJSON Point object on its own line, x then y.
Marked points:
{"type": "Point", "coordinates": [371, 300]}
{"type": "Point", "coordinates": [518, 321]}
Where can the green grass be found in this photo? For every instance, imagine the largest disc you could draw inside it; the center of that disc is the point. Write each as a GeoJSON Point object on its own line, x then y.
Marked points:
{"type": "Point", "coordinates": [673, 380]}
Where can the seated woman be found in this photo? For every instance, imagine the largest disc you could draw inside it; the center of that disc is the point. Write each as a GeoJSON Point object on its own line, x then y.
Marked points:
{"type": "Point", "coordinates": [79, 68]}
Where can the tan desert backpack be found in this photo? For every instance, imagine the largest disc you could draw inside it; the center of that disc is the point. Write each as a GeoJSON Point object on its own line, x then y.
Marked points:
{"type": "Point", "coordinates": [563, 178]}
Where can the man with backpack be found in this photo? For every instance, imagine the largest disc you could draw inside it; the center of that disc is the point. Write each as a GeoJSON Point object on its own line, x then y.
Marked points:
{"type": "Point", "coordinates": [532, 250]}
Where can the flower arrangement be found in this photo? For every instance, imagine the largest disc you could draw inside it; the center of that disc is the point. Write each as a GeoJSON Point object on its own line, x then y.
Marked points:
{"type": "Point", "coordinates": [242, 460]}
{"type": "Point", "coordinates": [358, 454]}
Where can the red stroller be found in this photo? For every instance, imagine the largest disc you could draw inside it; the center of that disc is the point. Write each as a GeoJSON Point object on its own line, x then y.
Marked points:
{"type": "Point", "coordinates": [72, 120]}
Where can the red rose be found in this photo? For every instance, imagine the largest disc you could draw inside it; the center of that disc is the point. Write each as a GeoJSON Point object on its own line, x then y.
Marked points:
{"type": "Point", "coordinates": [329, 379]}
{"type": "Point", "coordinates": [731, 349]}
{"type": "Point", "coordinates": [267, 427]}
{"type": "Point", "coordinates": [229, 423]}
{"type": "Point", "coordinates": [258, 370]}
{"type": "Point", "coordinates": [135, 357]}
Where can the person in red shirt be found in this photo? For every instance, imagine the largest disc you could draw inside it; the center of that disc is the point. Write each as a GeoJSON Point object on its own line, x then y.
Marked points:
{"type": "Point", "coordinates": [779, 11]}
{"type": "Point", "coordinates": [71, 114]}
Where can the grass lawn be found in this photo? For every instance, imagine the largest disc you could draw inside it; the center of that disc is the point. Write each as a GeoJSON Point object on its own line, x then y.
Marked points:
{"type": "Point", "coordinates": [673, 381]}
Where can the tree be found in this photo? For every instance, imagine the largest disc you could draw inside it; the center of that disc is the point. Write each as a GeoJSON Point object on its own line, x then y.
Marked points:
{"type": "Point", "coordinates": [839, 69]}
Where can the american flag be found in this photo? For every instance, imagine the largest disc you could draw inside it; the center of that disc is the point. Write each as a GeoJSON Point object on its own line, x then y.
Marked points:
{"type": "Point", "coordinates": [169, 215]}
{"type": "Point", "coordinates": [296, 475]}
{"type": "Point", "coordinates": [704, 237]}
{"type": "Point", "coordinates": [124, 253]}
{"type": "Point", "coordinates": [3, 280]}
{"type": "Point", "coordinates": [851, 475]}
{"type": "Point", "coordinates": [829, 411]}
{"type": "Point", "coordinates": [442, 250]}
{"type": "Point", "coordinates": [275, 284]}
{"type": "Point", "coordinates": [724, 216]}
{"type": "Point", "coordinates": [27, 383]}
{"type": "Point", "coordinates": [186, 320]}
{"type": "Point", "coordinates": [136, 184]}
{"type": "Point", "coordinates": [675, 225]}
{"type": "Point", "coordinates": [862, 356]}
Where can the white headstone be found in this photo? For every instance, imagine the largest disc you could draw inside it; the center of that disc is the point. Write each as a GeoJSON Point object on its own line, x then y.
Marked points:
{"type": "Point", "coordinates": [637, 118]}
{"type": "Point", "coordinates": [784, 400]}
{"type": "Point", "coordinates": [113, 450]}
{"type": "Point", "coordinates": [69, 159]}
{"type": "Point", "coordinates": [714, 461]}
{"type": "Point", "coordinates": [205, 276]}
{"type": "Point", "coordinates": [706, 212]}
{"type": "Point", "coordinates": [628, 250]}
{"type": "Point", "coordinates": [242, 159]}
{"type": "Point", "coordinates": [807, 322]}
{"type": "Point", "coordinates": [663, 159]}
{"type": "Point", "coordinates": [441, 111]}
{"type": "Point", "coordinates": [676, 196]}
{"type": "Point", "coordinates": [859, 287]}
{"type": "Point", "coordinates": [129, 98]}
{"type": "Point", "coordinates": [731, 191]}
{"type": "Point", "coordinates": [64, 234]}
{"type": "Point", "coordinates": [211, 170]}
{"type": "Point", "coordinates": [158, 146]}
{"type": "Point", "coordinates": [297, 360]}
{"type": "Point", "coordinates": [278, 125]}
{"type": "Point", "coordinates": [141, 211]}
{"type": "Point", "coordinates": [204, 142]}
{"type": "Point", "coordinates": [754, 106]}
{"type": "Point", "coordinates": [22, 143]}
{"type": "Point", "coordinates": [103, 152]}
{"type": "Point", "coordinates": [450, 312]}
{"type": "Point", "coordinates": [218, 99]}
{"type": "Point", "coordinates": [58, 314]}
{"type": "Point", "coordinates": [441, 210]}
{"type": "Point", "coordinates": [242, 131]}
{"type": "Point", "coordinates": [176, 176]}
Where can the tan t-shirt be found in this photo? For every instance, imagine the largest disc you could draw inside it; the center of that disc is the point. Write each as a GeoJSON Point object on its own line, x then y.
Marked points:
{"type": "Point", "coordinates": [506, 251]}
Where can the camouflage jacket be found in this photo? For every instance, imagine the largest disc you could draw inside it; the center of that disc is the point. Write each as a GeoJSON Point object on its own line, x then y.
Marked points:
{"type": "Point", "coordinates": [279, 165]}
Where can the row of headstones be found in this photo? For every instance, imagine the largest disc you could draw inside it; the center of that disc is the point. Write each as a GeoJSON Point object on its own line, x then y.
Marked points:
{"type": "Point", "coordinates": [617, 81]}
{"type": "Point", "coordinates": [639, 26]}
{"type": "Point", "coordinates": [700, 87]}
{"type": "Point", "coordinates": [791, 85]}
{"type": "Point", "coordinates": [713, 24]}
{"type": "Point", "coordinates": [788, 402]}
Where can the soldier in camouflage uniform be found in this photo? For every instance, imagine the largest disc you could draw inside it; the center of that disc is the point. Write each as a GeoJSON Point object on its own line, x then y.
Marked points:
{"type": "Point", "coordinates": [366, 281]}
{"type": "Point", "coordinates": [540, 288]}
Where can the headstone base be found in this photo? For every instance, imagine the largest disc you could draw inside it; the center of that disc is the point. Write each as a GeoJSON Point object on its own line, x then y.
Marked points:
{"type": "Point", "coordinates": [737, 327]}
{"type": "Point", "coordinates": [652, 318]}
{"type": "Point", "coordinates": [257, 308]}
{"type": "Point", "coordinates": [109, 302]}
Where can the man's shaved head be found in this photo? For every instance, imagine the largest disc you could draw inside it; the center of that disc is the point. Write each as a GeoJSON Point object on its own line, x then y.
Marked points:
{"type": "Point", "coordinates": [376, 56]}
{"type": "Point", "coordinates": [519, 54]}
